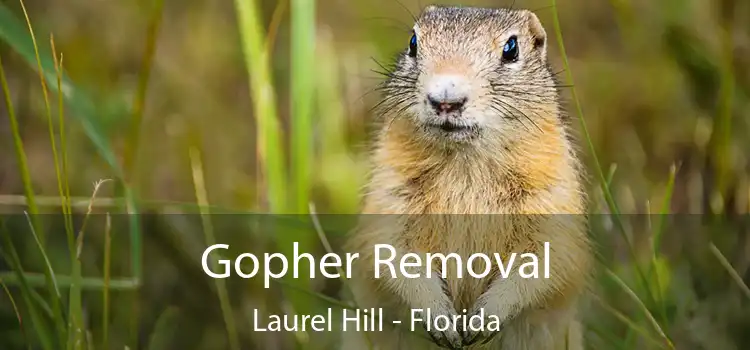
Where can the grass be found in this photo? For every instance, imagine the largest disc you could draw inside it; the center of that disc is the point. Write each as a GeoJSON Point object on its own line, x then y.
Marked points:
{"type": "Point", "coordinates": [15, 310]}
{"type": "Point", "coordinates": [268, 130]}
{"type": "Point", "coordinates": [30, 297]}
{"type": "Point", "coordinates": [200, 194]}
{"type": "Point", "coordinates": [605, 188]}
{"type": "Point", "coordinates": [305, 160]}
{"type": "Point", "coordinates": [106, 281]}
{"type": "Point", "coordinates": [303, 69]}
{"type": "Point", "coordinates": [21, 158]}
{"type": "Point", "coordinates": [10, 253]}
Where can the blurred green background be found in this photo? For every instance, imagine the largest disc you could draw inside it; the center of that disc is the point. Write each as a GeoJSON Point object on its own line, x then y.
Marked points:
{"type": "Point", "coordinates": [175, 102]}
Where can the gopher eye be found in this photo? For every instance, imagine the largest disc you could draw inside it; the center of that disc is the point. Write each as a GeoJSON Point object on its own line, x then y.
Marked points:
{"type": "Point", "coordinates": [413, 46]}
{"type": "Point", "coordinates": [510, 50]}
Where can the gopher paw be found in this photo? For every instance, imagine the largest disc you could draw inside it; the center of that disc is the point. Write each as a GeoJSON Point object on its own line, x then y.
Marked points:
{"type": "Point", "coordinates": [482, 327]}
{"type": "Point", "coordinates": [450, 338]}
{"type": "Point", "coordinates": [437, 305]}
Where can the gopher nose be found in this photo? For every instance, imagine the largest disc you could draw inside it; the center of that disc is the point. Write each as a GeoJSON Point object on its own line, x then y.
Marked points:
{"type": "Point", "coordinates": [447, 93]}
{"type": "Point", "coordinates": [446, 106]}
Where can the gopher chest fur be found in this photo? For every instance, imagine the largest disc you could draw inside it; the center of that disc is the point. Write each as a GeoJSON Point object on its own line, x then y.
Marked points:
{"type": "Point", "coordinates": [466, 206]}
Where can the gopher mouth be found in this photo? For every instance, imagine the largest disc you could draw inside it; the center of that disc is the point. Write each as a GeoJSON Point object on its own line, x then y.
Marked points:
{"type": "Point", "coordinates": [452, 127]}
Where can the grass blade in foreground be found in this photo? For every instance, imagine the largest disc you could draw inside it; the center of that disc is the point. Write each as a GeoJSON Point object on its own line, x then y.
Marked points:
{"type": "Point", "coordinates": [105, 290]}
{"type": "Point", "coordinates": [302, 93]}
{"type": "Point", "coordinates": [200, 194]}
{"type": "Point", "coordinates": [51, 283]}
{"type": "Point", "coordinates": [64, 281]}
{"type": "Point", "coordinates": [17, 36]}
{"type": "Point", "coordinates": [270, 152]}
{"type": "Point", "coordinates": [139, 102]}
{"type": "Point", "coordinates": [23, 168]}
{"type": "Point", "coordinates": [44, 334]}
{"type": "Point", "coordinates": [654, 270]}
{"type": "Point", "coordinates": [303, 37]}
{"type": "Point", "coordinates": [599, 171]}
{"type": "Point", "coordinates": [642, 306]}
{"type": "Point", "coordinates": [50, 124]}
{"type": "Point", "coordinates": [269, 145]}
{"type": "Point", "coordinates": [327, 245]}
{"type": "Point", "coordinates": [21, 326]}
{"type": "Point", "coordinates": [732, 272]}
{"type": "Point", "coordinates": [130, 171]}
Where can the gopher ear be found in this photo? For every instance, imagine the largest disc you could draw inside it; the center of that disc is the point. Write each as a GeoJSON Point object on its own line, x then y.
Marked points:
{"type": "Point", "coordinates": [538, 34]}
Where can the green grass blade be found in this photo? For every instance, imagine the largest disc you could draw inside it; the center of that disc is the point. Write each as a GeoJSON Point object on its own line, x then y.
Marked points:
{"type": "Point", "coordinates": [302, 93]}
{"type": "Point", "coordinates": [131, 152]}
{"type": "Point", "coordinates": [159, 206]}
{"type": "Point", "coordinates": [51, 282]}
{"type": "Point", "coordinates": [656, 241]}
{"type": "Point", "coordinates": [273, 27]}
{"type": "Point", "coordinates": [63, 180]}
{"type": "Point", "coordinates": [579, 112]}
{"type": "Point", "coordinates": [721, 138]}
{"type": "Point", "coordinates": [39, 299]}
{"type": "Point", "coordinates": [611, 175]}
{"type": "Point", "coordinates": [598, 168]}
{"type": "Point", "coordinates": [107, 280]}
{"type": "Point", "coordinates": [139, 103]}
{"type": "Point", "coordinates": [200, 194]}
{"type": "Point", "coordinates": [641, 305]}
{"type": "Point", "coordinates": [48, 111]}
{"type": "Point", "coordinates": [136, 256]}
{"type": "Point", "coordinates": [665, 209]}
{"type": "Point", "coordinates": [44, 334]}
{"type": "Point", "coordinates": [75, 311]}
{"type": "Point", "coordinates": [732, 272]}
{"type": "Point", "coordinates": [65, 281]}
{"type": "Point", "coordinates": [327, 245]}
{"type": "Point", "coordinates": [303, 38]}
{"type": "Point", "coordinates": [30, 297]}
{"type": "Point", "coordinates": [23, 168]}
{"type": "Point", "coordinates": [270, 150]}
{"type": "Point", "coordinates": [77, 332]}
{"type": "Point", "coordinates": [13, 32]}
{"type": "Point", "coordinates": [21, 325]}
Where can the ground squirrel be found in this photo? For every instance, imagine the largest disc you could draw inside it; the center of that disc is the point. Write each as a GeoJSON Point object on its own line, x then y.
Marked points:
{"type": "Point", "coordinates": [472, 124]}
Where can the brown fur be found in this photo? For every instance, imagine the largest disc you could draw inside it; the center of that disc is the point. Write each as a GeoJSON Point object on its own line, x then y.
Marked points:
{"type": "Point", "coordinates": [518, 166]}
